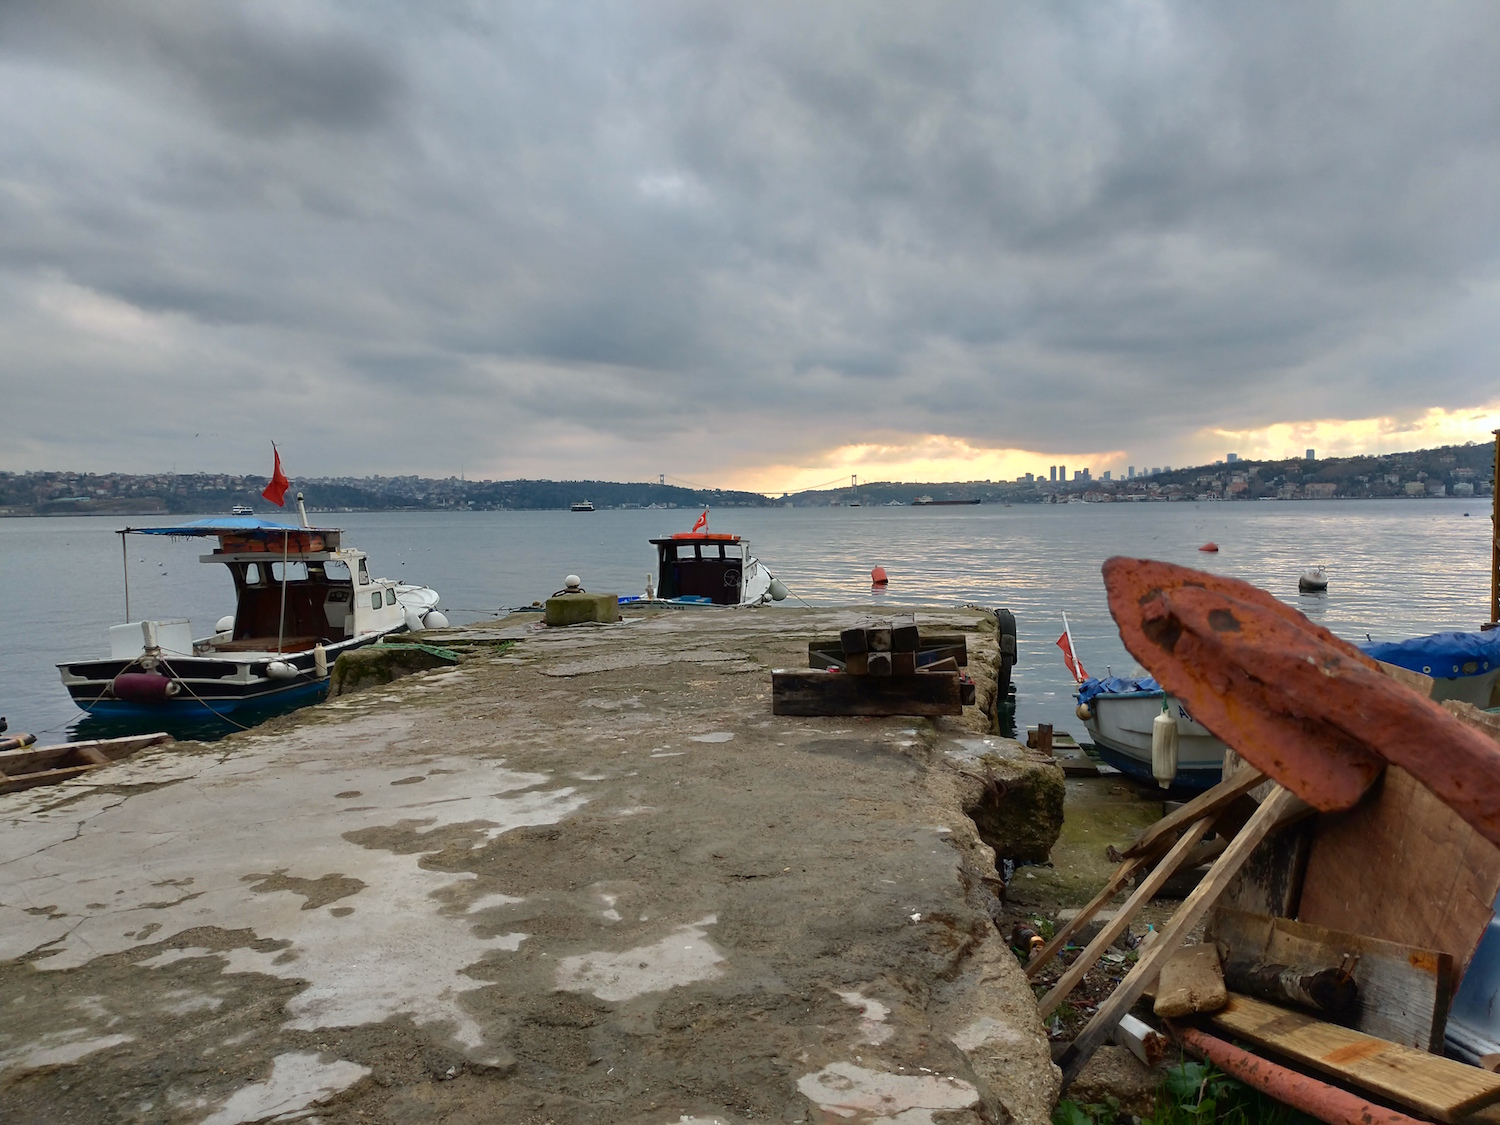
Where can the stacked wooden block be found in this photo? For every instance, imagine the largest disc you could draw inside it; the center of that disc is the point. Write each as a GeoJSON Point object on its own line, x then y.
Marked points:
{"type": "Point", "coordinates": [878, 668]}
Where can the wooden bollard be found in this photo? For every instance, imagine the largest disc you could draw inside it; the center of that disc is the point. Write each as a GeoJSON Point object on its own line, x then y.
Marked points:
{"type": "Point", "coordinates": [1044, 738]}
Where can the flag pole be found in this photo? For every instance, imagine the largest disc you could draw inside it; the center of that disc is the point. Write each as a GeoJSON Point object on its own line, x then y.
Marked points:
{"type": "Point", "coordinates": [1073, 652]}
{"type": "Point", "coordinates": [125, 559]}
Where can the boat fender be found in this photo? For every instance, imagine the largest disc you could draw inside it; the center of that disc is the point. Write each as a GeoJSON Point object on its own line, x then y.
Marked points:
{"type": "Point", "coordinates": [434, 619]}
{"type": "Point", "coordinates": [413, 620]}
{"type": "Point", "coordinates": [225, 624]}
{"type": "Point", "coordinates": [778, 590]}
{"type": "Point", "coordinates": [1164, 748]}
{"type": "Point", "coordinates": [878, 576]}
{"type": "Point", "coordinates": [281, 670]}
{"type": "Point", "coordinates": [144, 687]}
{"type": "Point", "coordinates": [320, 661]}
{"type": "Point", "coordinates": [1083, 712]}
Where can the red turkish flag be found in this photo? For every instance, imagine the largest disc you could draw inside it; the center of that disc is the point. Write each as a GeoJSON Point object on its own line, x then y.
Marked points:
{"type": "Point", "coordinates": [276, 491]}
{"type": "Point", "coordinates": [1074, 665]}
{"type": "Point", "coordinates": [702, 520]}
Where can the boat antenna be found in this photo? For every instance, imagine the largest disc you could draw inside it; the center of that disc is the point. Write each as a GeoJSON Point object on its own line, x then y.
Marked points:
{"type": "Point", "coordinates": [125, 559]}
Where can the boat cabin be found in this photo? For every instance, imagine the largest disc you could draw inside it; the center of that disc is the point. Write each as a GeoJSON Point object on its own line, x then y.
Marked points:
{"type": "Point", "coordinates": [330, 595]}
{"type": "Point", "coordinates": [701, 564]}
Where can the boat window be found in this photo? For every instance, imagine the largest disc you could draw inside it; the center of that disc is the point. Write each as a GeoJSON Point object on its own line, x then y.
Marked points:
{"type": "Point", "coordinates": [252, 574]}
{"type": "Point", "coordinates": [336, 571]}
{"type": "Point", "coordinates": [390, 597]}
{"type": "Point", "coordinates": [733, 551]}
{"type": "Point", "coordinates": [364, 573]}
{"type": "Point", "coordinates": [295, 571]}
{"type": "Point", "coordinates": [375, 600]}
{"type": "Point", "coordinates": [687, 551]}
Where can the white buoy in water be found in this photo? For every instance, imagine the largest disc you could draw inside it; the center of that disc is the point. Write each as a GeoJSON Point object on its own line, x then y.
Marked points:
{"type": "Point", "coordinates": [1164, 748]}
{"type": "Point", "coordinates": [225, 624]}
{"type": "Point", "coordinates": [281, 670]}
{"type": "Point", "coordinates": [434, 619]}
{"type": "Point", "coordinates": [778, 590]}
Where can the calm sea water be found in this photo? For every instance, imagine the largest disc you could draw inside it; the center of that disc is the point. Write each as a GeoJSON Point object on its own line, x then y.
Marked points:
{"type": "Point", "coordinates": [1396, 569]}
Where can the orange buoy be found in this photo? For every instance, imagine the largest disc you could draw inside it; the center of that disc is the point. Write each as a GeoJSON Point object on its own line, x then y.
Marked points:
{"type": "Point", "coordinates": [1209, 546]}
{"type": "Point", "coordinates": [877, 576]}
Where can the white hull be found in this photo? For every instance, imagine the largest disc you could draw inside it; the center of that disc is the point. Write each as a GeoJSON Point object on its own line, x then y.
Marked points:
{"type": "Point", "coordinates": [1122, 724]}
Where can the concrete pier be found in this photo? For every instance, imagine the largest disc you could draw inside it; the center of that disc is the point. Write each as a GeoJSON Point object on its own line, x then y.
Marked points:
{"type": "Point", "coordinates": [584, 878]}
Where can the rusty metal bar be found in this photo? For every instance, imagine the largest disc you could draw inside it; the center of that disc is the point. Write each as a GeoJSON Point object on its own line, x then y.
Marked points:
{"type": "Point", "coordinates": [1325, 1102]}
{"type": "Point", "coordinates": [1301, 705]}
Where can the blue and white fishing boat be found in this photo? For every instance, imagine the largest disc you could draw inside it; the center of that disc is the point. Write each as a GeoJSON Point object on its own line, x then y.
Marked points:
{"type": "Point", "coordinates": [1463, 666]}
{"type": "Point", "coordinates": [1119, 712]}
{"type": "Point", "coordinates": [301, 599]}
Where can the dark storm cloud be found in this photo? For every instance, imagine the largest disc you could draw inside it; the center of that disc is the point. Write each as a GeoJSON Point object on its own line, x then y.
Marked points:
{"type": "Point", "coordinates": [518, 232]}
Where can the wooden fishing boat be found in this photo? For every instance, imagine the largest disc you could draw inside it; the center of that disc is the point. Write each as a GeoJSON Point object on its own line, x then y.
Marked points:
{"type": "Point", "coordinates": [301, 599]}
{"type": "Point", "coordinates": [47, 765]}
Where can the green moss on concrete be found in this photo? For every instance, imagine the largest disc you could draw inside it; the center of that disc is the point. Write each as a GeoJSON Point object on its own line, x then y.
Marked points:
{"type": "Point", "coordinates": [576, 609]}
{"type": "Point", "coordinates": [374, 665]}
{"type": "Point", "coordinates": [1099, 812]}
{"type": "Point", "coordinates": [1020, 815]}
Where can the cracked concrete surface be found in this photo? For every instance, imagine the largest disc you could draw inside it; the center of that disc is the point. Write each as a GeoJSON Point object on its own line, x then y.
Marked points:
{"type": "Point", "coordinates": [592, 880]}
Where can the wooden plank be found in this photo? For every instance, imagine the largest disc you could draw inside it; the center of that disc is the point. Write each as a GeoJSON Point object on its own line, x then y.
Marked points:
{"type": "Point", "coordinates": [1191, 981]}
{"type": "Point", "coordinates": [1211, 801]}
{"type": "Point", "coordinates": [11, 783]}
{"type": "Point", "coordinates": [1116, 925]}
{"type": "Point", "coordinates": [1404, 992]}
{"type": "Point", "coordinates": [1430, 1084]}
{"type": "Point", "coordinates": [108, 749]}
{"type": "Point", "coordinates": [930, 654]}
{"type": "Point", "coordinates": [878, 663]}
{"type": "Point", "coordinates": [905, 663]}
{"type": "Point", "coordinates": [904, 634]}
{"type": "Point", "coordinates": [857, 664]}
{"type": "Point", "coordinates": [1404, 867]}
{"type": "Point", "coordinates": [802, 692]}
{"type": "Point", "coordinates": [878, 637]}
{"type": "Point", "coordinates": [1279, 804]}
{"type": "Point", "coordinates": [1271, 880]}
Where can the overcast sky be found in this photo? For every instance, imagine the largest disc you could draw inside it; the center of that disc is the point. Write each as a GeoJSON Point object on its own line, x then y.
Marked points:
{"type": "Point", "coordinates": [756, 245]}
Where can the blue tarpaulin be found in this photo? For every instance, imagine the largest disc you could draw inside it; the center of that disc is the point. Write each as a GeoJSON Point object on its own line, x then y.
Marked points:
{"type": "Point", "coordinates": [1447, 655]}
{"type": "Point", "coordinates": [1115, 685]}
{"type": "Point", "coordinates": [224, 525]}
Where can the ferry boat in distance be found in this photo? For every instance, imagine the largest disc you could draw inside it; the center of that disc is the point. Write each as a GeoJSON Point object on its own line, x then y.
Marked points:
{"type": "Point", "coordinates": [582, 506]}
{"type": "Point", "coordinates": [301, 599]}
{"type": "Point", "coordinates": [242, 510]}
{"type": "Point", "coordinates": [929, 502]}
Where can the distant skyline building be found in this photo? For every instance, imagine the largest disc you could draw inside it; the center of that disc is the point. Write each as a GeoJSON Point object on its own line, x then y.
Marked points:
{"type": "Point", "coordinates": [1231, 457]}
{"type": "Point", "coordinates": [1312, 455]}
{"type": "Point", "coordinates": [1054, 474]}
{"type": "Point", "coordinates": [1106, 474]}
{"type": "Point", "coordinates": [1062, 474]}
{"type": "Point", "coordinates": [1132, 473]}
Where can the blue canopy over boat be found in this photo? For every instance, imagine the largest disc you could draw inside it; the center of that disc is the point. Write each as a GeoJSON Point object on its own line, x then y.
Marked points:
{"type": "Point", "coordinates": [224, 525]}
{"type": "Point", "coordinates": [1115, 685]}
{"type": "Point", "coordinates": [1447, 655]}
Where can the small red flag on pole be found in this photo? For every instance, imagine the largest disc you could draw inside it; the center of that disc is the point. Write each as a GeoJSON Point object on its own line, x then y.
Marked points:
{"type": "Point", "coordinates": [276, 491]}
{"type": "Point", "coordinates": [702, 521]}
{"type": "Point", "coordinates": [1070, 658]}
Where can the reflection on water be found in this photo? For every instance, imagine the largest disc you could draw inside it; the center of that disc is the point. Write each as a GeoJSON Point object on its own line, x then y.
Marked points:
{"type": "Point", "coordinates": [1396, 569]}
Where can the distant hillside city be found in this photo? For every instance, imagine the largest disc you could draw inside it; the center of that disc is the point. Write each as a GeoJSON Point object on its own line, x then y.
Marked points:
{"type": "Point", "coordinates": [1454, 470]}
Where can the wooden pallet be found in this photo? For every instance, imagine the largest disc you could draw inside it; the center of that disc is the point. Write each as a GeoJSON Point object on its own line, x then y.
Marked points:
{"type": "Point", "coordinates": [47, 765]}
{"type": "Point", "coordinates": [813, 692]}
